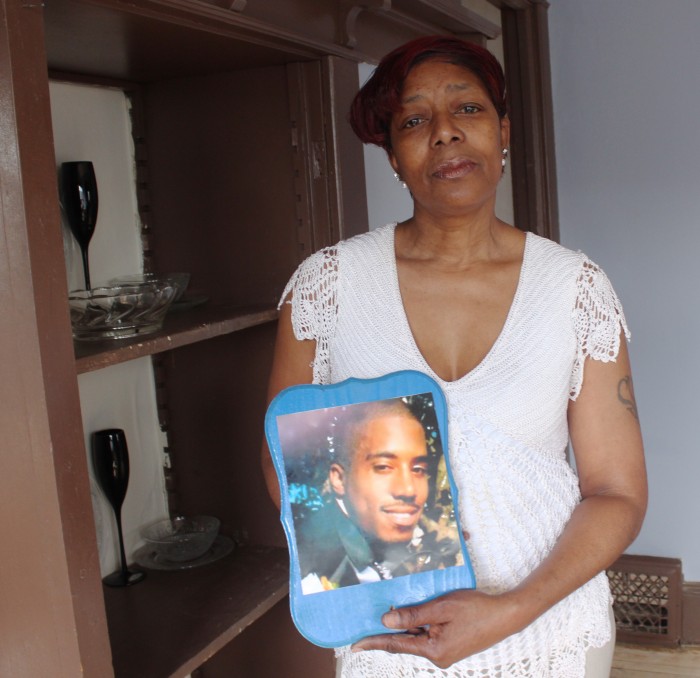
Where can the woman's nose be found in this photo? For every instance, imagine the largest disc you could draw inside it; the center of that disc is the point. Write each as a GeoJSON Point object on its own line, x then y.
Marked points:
{"type": "Point", "coordinates": [445, 129]}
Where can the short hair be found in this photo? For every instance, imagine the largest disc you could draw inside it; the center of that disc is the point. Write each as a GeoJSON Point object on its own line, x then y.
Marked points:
{"type": "Point", "coordinates": [379, 98]}
{"type": "Point", "coordinates": [349, 427]}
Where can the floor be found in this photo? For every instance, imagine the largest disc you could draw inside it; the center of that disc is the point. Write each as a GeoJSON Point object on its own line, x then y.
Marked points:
{"type": "Point", "coordinates": [634, 661]}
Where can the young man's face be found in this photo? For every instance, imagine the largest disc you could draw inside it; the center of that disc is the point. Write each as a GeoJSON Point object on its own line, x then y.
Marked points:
{"type": "Point", "coordinates": [386, 486]}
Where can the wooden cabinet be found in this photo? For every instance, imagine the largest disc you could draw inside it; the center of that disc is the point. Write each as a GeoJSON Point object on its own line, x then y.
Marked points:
{"type": "Point", "coordinates": [245, 164]}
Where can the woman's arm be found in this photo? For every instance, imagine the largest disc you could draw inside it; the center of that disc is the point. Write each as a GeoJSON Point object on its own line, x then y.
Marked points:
{"type": "Point", "coordinates": [607, 444]}
{"type": "Point", "coordinates": [291, 365]}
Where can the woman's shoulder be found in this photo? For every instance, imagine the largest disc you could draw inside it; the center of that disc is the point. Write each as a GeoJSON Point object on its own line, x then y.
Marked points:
{"type": "Point", "coordinates": [377, 238]}
{"type": "Point", "coordinates": [556, 260]}
{"type": "Point", "coordinates": [321, 269]}
{"type": "Point", "coordinates": [549, 260]}
{"type": "Point", "coordinates": [364, 249]}
{"type": "Point", "coordinates": [550, 250]}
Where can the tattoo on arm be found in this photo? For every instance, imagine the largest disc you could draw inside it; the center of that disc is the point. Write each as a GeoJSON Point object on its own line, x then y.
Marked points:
{"type": "Point", "coordinates": [625, 394]}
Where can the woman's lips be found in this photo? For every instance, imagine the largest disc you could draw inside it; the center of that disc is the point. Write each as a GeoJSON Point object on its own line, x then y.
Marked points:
{"type": "Point", "coordinates": [454, 169]}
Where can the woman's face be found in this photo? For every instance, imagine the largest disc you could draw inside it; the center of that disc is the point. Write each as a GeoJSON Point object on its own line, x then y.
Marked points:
{"type": "Point", "coordinates": [447, 140]}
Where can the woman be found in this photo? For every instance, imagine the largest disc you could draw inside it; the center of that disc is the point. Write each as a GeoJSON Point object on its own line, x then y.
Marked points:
{"type": "Point", "coordinates": [526, 339]}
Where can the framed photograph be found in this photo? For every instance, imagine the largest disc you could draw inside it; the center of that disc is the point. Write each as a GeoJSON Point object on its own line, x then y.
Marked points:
{"type": "Point", "coordinates": [369, 506]}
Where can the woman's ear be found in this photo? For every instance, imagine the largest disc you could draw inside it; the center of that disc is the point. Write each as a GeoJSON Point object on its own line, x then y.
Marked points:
{"type": "Point", "coordinates": [336, 478]}
{"type": "Point", "coordinates": [392, 161]}
{"type": "Point", "coordinates": [505, 132]}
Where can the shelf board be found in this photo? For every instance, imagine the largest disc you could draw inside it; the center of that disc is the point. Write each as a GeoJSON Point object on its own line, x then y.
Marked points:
{"type": "Point", "coordinates": [172, 622]}
{"type": "Point", "coordinates": [141, 40]}
{"type": "Point", "coordinates": [180, 329]}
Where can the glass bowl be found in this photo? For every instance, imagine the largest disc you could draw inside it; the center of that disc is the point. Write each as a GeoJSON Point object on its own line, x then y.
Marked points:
{"type": "Point", "coordinates": [119, 311]}
{"type": "Point", "coordinates": [181, 539]}
{"type": "Point", "coordinates": [180, 280]}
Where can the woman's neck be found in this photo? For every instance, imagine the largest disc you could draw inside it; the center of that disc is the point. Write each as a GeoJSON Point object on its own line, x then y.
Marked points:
{"type": "Point", "coordinates": [456, 241]}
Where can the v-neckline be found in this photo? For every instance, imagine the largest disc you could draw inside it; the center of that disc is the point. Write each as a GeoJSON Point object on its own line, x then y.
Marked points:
{"type": "Point", "coordinates": [396, 291]}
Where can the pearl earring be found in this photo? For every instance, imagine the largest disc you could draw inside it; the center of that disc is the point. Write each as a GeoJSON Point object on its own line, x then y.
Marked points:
{"type": "Point", "coordinates": [399, 180]}
{"type": "Point", "coordinates": [504, 152]}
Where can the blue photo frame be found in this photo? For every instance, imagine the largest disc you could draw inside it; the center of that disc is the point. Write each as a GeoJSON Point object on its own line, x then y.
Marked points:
{"type": "Point", "coordinates": [328, 613]}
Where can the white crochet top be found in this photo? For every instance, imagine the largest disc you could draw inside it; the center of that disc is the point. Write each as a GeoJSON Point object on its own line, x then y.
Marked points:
{"type": "Point", "coordinates": [507, 428]}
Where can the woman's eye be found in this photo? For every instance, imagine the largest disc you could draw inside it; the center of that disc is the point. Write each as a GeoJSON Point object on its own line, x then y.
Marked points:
{"type": "Point", "coordinates": [412, 122]}
{"type": "Point", "coordinates": [469, 108]}
{"type": "Point", "coordinates": [420, 470]}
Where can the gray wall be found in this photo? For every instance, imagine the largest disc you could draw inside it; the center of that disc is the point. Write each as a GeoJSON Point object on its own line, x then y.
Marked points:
{"type": "Point", "coordinates": [626, 100]}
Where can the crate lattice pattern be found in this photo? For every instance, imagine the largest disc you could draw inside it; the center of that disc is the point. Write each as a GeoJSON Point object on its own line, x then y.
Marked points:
{"type": "Point", "coordinates": [647, 594]}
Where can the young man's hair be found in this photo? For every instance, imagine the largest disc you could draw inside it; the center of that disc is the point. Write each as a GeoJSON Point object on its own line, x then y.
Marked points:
{"type": "Point", "coordinates": [349, 427]}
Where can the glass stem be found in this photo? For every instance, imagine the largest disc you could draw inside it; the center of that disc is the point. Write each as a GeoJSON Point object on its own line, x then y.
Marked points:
{"type": "Point", "coordinates": [86, 268]}
{"type": "Point", "coordinates": [122, 554]}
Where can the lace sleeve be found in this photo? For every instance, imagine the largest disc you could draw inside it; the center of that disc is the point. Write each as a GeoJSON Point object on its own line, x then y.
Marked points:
{"type": "Point", "coordinates": [313, 290]}
{"type": "Point", "coordinates": [598, 319]}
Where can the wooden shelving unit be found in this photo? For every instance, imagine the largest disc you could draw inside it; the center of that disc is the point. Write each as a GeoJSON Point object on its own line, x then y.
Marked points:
{"type": "Point", "coordinates": [172, 622]}
{"type": "Point", "coordinates": [245, 164]}
{"type": "Point", "coordinates": [179, 329]}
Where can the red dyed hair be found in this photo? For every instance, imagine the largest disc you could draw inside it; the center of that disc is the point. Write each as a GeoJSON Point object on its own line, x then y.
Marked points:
{"type": "Point", "coordinates": [374, 105]}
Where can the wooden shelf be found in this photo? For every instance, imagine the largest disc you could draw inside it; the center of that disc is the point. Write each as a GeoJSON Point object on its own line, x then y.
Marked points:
{"type": "Point", "coordinates": [140, 40]}
{"type": "Point", "coordinates": [180, 329]}
{"type": "Point", "coordinates": [172, 622]}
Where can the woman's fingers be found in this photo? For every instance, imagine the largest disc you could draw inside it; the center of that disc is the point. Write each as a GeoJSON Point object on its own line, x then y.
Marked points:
{"type": "Point", "coordinates": [446, 629]}
{"type": "Point", "coordinates": [403, 643]}
{"type": "Point", "coordinates": [412, 617]}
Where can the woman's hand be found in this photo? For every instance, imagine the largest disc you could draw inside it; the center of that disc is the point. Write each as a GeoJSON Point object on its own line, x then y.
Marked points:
{"type": "Point", "coordinates": [449, 628]}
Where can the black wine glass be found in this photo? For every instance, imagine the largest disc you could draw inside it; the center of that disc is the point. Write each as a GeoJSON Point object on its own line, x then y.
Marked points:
{"type": "Point", "coordinates": [110, 462]}
{"type": "Point", "coordinates": [78, 189]}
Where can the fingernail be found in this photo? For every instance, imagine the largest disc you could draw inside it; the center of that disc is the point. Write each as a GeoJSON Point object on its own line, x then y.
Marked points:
{"type": "Point", "coordinates": [390, 618]}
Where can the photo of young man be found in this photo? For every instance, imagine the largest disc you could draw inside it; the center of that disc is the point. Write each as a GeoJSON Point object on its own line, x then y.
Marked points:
{"type": "Point", "coordinates": [369, 520]}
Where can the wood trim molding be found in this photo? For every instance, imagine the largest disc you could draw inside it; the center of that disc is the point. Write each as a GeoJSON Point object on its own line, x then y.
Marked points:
{"type": "Point", "coordinates": [421, 16]}
{"type": "Point", "coordinates": [528, 77]}
{"type": "Point", "coordinates": [310, 163]}
{"type": "Point", "coordinates": [230, 22]}
{"type": "Point", "coordinates": [345, 156]}
{"type": "Point", "coordinates": [53, 618]}
{"type": "Point", "coordinates": [690, 631]}
{"type": "Point", "coordinates": [469, 20]}
{"type": "Point", "coordinates": [513, 4]}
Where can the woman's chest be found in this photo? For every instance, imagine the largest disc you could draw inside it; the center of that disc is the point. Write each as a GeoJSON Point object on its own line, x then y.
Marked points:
{"type": "Point", "coordinates": [455, 318]}
{"type": "Point", "coordinates": [521, 365]}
